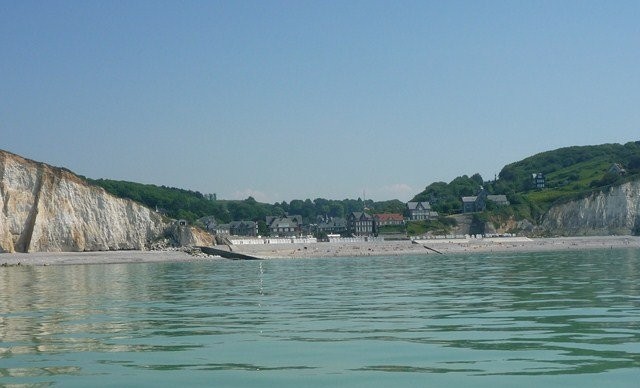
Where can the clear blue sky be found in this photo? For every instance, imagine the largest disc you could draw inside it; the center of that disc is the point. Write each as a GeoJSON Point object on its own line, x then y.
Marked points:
{"type": "Point", "coordinates": [287, 100]}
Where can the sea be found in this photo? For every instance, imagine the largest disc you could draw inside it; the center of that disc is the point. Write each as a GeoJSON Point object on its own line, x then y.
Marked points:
{"type": "Point", "coordinates": [546, 319]}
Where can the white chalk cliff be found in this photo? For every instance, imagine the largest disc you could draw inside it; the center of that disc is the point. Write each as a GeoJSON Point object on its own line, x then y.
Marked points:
{"type": "Point", "coordinates": [613, 211]}
{"type": "Point", "coordinates": [45, 208]}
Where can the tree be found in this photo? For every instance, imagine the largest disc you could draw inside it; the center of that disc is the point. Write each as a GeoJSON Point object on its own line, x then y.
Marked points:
{"type": "Point", "coordinates": [477, 178]}
{"type": "Point", "coordinates": [634, 162]}
{"type": "Point", "coordinates": [263, 228]}
{"type": "Point", "coordinates": [446, 198]}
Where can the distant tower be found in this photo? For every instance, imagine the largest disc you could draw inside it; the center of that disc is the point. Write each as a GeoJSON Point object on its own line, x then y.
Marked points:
{"type": "Point", "coordinates": [364, 201]}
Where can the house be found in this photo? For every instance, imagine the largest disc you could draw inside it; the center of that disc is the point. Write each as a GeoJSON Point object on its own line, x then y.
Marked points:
{"type": "Point", "coordinates": [221, 229]}
{"type": "Point", "coordinates": [473, 204]}
{"type": "Point", "coordinates": [243, 228]}
{"type": "Point", "coordinates": [332, 225]}
{"type": "Point", "coordinates": [617, 169]}
{"type": "Point", "coordinates": [388, 219]}
{"type": "Point", "coordinates": [500, 199]}
{"type": "Point", "coordinates": [361, 224]}
{"type": "Point", "coordinates": [235, 228]}
{"type": "Point", "coordinates": [420, 211]}
{"type": "Point", "coordinates": [538, 180]}
{"type": "Point", "coordinates": [284, 226]}
{"type": "Point", "coordinates": [476, 203]}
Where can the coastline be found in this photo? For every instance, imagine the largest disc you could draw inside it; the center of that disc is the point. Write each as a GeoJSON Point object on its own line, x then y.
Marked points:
{"type": "Point", "coordinates": [318, 250]}
{"type": "Point", "coordinates": [437, 246]}
{"type": "Point", "coordinates": [99, 257]}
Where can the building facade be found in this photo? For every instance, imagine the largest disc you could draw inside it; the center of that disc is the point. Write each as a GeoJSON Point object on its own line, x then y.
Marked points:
{"type": "Point", "coordinates": [388, 219]}
{"type": "Point", "coordinates": [499, 199]}
{"type": "Point", "coordinates": [361, 224]}
{"type": "Point", "coordinates": [420, 211]}
{"type": "Point", "coordinates": [284, 226]}
{"type": "Point", "coordinates": [332, 225]}
{"type": "Point", "coordinates": [243, 228]}
{"type": "Point", "coordinates": [539, 180]}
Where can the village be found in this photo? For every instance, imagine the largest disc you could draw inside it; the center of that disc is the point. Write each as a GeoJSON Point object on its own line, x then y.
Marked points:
{"type": "Point", "coordinates": [366, 225]}
{"type": "Point", "coordinates": [357, 226]}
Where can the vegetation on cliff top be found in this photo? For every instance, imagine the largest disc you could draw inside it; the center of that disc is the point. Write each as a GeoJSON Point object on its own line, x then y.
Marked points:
{"type": "Point", "coordinates": [191, 205]}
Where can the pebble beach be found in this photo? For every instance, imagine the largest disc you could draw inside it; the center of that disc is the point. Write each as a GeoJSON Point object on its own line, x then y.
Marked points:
{"type": "Point", "coordinates": [437, 246]}
{"type": "Point", "coordinates": [101, 257]}
{"type": "Point", "coordinates": [355, 249]}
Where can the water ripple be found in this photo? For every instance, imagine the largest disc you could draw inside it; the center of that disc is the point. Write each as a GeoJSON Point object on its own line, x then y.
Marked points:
{"type": "Point", "coordinates": [551, 314]}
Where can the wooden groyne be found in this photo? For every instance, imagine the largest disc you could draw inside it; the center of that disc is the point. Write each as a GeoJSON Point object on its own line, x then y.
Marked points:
{"type": "Point", "coordinates": [426, 247]}
{"type": "Point", "coordinates": [227, 254]}
{"type": "Point", "coordinates": [434, 250]}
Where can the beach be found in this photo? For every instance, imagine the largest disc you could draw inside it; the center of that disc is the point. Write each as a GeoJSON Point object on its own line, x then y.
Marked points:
{"type": "Point", "coordinates": [436, 246]}
{"type": "Point", "coordinates": [101, 257]}
{"type": "Point", "coordinates": [325, 249]}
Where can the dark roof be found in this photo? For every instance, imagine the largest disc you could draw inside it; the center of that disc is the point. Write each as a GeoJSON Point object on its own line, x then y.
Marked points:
{"type": "Point", "coordinates": [415, 205]}
{"type": "Point", "coordinates": [334, 222]}
{"type": "Point", "coordinates": [360, 216]}
{"type": "Point", "coordinates": [497, 198]}
{"type": "Point", "coordinates": [273, 221]}
{"type": "Point", "coordinates": [237, 224]}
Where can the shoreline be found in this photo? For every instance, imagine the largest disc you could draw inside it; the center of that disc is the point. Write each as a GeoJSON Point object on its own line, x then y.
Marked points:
{"type": "Point", "coordinates": [98, 257]}
{"type": "Point", "coordinates": [319, 250]}
{"type": "Point", "coordinates": [437, 246]}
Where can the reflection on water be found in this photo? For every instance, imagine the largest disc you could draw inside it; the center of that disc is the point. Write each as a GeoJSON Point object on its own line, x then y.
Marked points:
{"type": "Point", "coordinates": [503, 319]}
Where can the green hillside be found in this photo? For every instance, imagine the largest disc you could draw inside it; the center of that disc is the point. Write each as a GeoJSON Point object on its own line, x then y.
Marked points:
{"type": "Point", "coordinates": [570, 173]}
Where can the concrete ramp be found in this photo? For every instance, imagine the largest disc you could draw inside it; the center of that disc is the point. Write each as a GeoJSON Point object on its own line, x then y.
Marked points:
{"type": "Point", "coordinates": [227, 254]}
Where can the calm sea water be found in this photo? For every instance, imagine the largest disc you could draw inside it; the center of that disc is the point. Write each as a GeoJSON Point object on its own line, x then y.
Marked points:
{"type": "Point", "coordinates": [490, 320]}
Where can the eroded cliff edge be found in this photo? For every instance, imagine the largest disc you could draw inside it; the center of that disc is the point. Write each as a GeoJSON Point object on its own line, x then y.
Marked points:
{"type": "Point", "coordinates": [45, 208]}
{"type": "Point", "coordinates": [615, 211]}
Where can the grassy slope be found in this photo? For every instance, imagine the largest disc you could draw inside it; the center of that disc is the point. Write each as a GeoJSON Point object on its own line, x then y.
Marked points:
{"type": "Point", "coordinates": [570, 172]}
{"type": "Point", "coordinates": [568, 178]}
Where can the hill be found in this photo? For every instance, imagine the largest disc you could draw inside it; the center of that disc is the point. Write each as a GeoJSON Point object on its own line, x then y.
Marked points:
{"type": "Point", "coordinates": [571, 170]}
{"type": "Point", "coordinates": [570, 173]}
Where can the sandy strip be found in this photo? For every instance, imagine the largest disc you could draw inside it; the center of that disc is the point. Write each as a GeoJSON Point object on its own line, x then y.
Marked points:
{"type": "Point", "coordinates": [297, 251]}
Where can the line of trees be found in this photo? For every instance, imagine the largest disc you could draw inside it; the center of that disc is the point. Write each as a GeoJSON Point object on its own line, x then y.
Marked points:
{"type": "Point", "coordinates": [191, 205]}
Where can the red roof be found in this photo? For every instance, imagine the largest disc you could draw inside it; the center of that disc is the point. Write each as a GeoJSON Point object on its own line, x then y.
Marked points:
{"type": "Point", "coordinates": [390, 217]}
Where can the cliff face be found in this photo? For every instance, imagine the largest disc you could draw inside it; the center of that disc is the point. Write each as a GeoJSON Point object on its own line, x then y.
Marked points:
{"type": "Point", "coordinates": [45, 208]}
{"type": "Point", "coordinates": [616, 211]}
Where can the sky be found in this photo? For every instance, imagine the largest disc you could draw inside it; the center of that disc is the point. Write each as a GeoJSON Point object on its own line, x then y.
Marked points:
{"type": "Point", "coordinates": [283, 100]}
